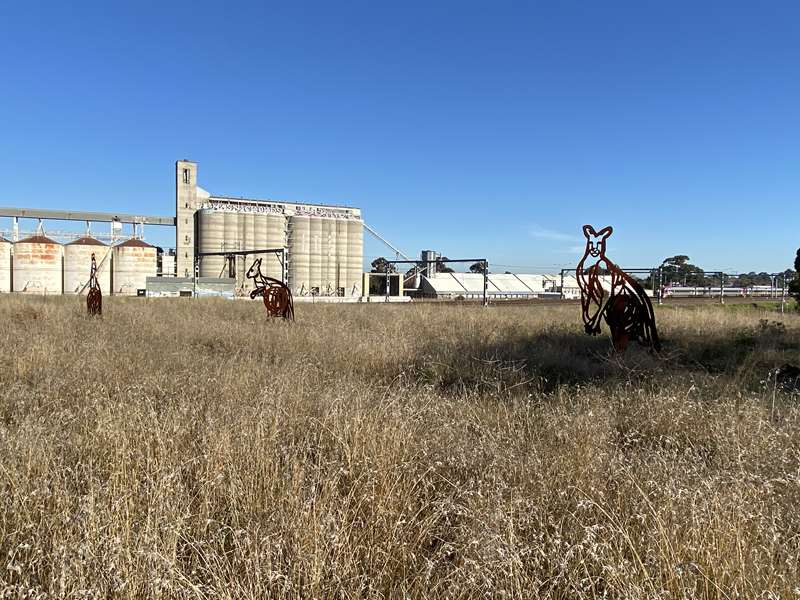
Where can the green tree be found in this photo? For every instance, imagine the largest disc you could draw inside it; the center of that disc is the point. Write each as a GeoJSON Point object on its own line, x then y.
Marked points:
{"type": "Point", "coordinates": [377, 285]}
{"type": "Point", "coordinates": [382, 265]}
{"type": "Point", "coordinates": [679, 271]}
{"type": "Point", "coordinates": [477, 267]}
{"type": "Point", "coordinates": [441, 267]}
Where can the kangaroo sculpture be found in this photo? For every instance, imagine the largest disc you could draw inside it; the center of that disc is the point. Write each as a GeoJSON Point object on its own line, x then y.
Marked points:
{"type": "Point", "coordinates": [94, 299]}
{"type": "Point", "coordinates": [626, 308]}
{"type": "Point", "coordinates": [276, 294]}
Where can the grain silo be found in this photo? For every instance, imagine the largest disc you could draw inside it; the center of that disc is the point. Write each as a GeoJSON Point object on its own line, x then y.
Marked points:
{"type": "Point", "coordinates": [330, 282]}
{"type": "Point", "coordinates": [299, 247]}
{"type": "Point", "coordinates": [211, 237]}
{"type": "Point", "coordinates": [315, 255]}
{"type": "Point", "coordinates": [38, 266]}
{"type": "Point", "coordinates": [259, 242]}
{"type": "Point", "coordinates": [323, 256]}
{"type": "Point", "coordinates": [134, 262]}
{"type": "Point", "coordinates": [241, 226]}
{"type": "Point", "coordinates": [78, 265]}
{"type": "Point", "coordinates": [276, 238]}
{"type": "Point", "coordinates": [247, 222]}
{"type": "Point", "coordinates": [231, 220]}
{"type": "Point", "coordinates": [5, 265]}
{"type": "Point", "coordinates": [261, 233]}
{"type": "Point", "coordinates": [342, 263]}
{"type": "Point", "coordinates": [355, 254]}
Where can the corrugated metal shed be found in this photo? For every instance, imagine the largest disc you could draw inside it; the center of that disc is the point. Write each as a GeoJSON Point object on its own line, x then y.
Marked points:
{"type": "Point", "coordinates": [501, 285]}
{"type": "Point", "coordinates": [166, 287]}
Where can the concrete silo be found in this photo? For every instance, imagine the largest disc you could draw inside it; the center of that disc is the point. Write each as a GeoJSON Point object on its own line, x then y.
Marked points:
{"type": "Point", "coordinates": [231, 221]}
{"type": "Point", "coordinates": [276, 238]}
{"type": "Point", "coordinates": [134, 262]}
{"type": "Point", "coordinates": [261, 232]}
{"type": "Point", "coordinates": [38, 266]}
{"type": "Point", "coordinates": [299, 248]}
{"type": "Point", "coordinates": [315, 255]}
{"type": "Point", "coordinates": [78, 265]}
{"type": "Point", "coordinates": [211, 238]}
{"type": "Point", "coordinates": [247, 234]}
{"type": "Point", "coordinates": [5, 265]}
{"type": "Point", "coordinates": [241, 269]}
{"type": "Point", "coordinates": [330, 280]}
{"type": "Point", "coordinates": [355, 257]}
{"type": "Point", "coordinates": [342, 264]}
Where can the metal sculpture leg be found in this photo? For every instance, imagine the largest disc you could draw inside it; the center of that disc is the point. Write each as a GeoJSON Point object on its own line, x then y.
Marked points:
{"type": "Point", "coordinates": [625, 306]}
{"type": "Point", "coordinates": [616, 318]}
{"type": "Point", "coordinates": [94, 299]}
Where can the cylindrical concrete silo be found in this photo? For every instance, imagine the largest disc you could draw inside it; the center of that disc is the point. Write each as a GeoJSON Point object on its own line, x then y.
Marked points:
{"type": "Point", "coordinates": [134, 262]}
{"type": "Point", "coordinates": [231, 230]}
{"type": "Point", "coordinates": [329, 256]}
{"type": "Point", "coordinates": [78, 265]}
{"type": "Point", "coordinates": [299, 243]}
{"type": "Point", "coordinates": [38, 266]}
{"type": "Point", "coordinates": [276, 238]}
{"type": "Point", "coordinates": [231, 241]}
{"type": "Point", "coordinates": [260, 240]}
{"type": "Point", "coordinates": [210, 237]}
{"type": "Point", "coordinates": [355, 256]}
{"type": "Point", "coordinates": [5, 265]}
{"type": "Point", "coordinates": [261, 231]}
{"type": "Point", "coordinates": [323, 257]}
{"type": "Point", "coordinates": [240, 229]}
{"type": "Point", "coordinates": [342, 264]}
{"type": "Point", "coordinates": [315, 255]}
{"type": "Point", "coordinates": [248, 243]}
{"type": "Point", "coordinates": [241, 279]}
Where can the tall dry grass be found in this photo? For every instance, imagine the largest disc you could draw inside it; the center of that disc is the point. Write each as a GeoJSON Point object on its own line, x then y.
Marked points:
{"type": "Point", "coordinates": [193, 449]}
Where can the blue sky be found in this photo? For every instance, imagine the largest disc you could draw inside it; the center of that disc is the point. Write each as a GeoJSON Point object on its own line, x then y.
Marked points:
{"type": "Point", "coordinates": [474, 128]}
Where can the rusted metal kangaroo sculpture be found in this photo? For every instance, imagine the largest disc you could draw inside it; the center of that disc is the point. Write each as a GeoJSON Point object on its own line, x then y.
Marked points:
{"type": "Point", "coordinates": [626, 308]}
{"type": "Point", "coordinates": [276, 294]}
{"type": "Point", "coordinates": [94, 299]}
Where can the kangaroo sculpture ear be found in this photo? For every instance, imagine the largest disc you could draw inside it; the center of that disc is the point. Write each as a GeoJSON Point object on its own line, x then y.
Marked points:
{"type": "Point", "coordinates": [588, 231]}
{"type": "Point", "coordinates": [605, 232]}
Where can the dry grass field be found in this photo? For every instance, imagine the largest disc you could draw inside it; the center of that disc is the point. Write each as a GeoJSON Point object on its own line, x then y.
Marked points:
{"type": "Point", "coordinates": [192, 449]}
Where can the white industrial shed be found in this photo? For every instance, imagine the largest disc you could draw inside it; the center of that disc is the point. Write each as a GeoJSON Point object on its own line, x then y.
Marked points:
{"type": "Point", "coordinates": [501, 286]}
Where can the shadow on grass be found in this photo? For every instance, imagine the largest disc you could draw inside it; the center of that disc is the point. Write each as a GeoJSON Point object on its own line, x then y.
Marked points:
{"type": "Point", "coordinates": [560, 357]}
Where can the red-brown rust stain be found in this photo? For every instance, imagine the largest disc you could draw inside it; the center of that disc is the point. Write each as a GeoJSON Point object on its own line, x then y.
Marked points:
{"type": "Point", "coordinates": [38, 254]}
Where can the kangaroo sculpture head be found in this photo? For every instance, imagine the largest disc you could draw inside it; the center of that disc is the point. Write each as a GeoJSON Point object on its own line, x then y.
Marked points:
{"type": "Point", "coordinates": [596, 241]}
{"type": "Point", "coordinates": [255, 269]}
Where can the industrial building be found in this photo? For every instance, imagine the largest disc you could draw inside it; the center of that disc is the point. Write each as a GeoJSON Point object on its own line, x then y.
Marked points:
{"type": "Point", "coordinates": [503, 286]}
{"type": "Point", "coordinates": [316, 249]}
{"type": "Point", "coordinates": [499, 286]}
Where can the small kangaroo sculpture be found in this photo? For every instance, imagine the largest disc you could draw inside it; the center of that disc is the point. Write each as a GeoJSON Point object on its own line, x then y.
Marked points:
{"type": "Point", "coordinates": [276, 294]}
{"type": "Point", "coordinates": [94, 299]}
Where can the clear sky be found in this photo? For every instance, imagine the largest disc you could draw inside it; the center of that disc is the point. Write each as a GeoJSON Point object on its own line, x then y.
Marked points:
{"type": "Point", "coordinates": [474, 128]}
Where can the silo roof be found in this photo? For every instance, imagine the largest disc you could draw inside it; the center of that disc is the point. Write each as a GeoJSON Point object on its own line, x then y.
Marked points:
{"type": "Point", "coordinates": [134, 243]}
{"type": "Point", "coordinates": [38, 239]}
{"type": "Point", "coordinates": [86, 241]}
